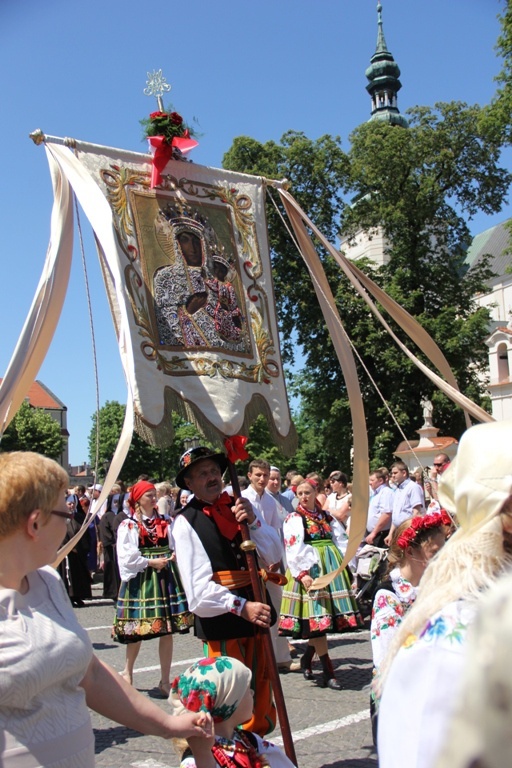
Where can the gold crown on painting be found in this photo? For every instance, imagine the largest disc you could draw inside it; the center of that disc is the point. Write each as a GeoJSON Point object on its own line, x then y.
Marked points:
{"type": "Point", "coordinates": [184, 219]}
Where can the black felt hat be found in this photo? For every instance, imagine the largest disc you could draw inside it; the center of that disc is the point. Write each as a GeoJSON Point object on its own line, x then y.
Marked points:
{"type": "Point", "coordinates": [197, 454]}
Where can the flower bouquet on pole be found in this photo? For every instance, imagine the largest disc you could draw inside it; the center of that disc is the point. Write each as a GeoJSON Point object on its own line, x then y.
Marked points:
{"type": "Point", "coordinates": [169, 137]}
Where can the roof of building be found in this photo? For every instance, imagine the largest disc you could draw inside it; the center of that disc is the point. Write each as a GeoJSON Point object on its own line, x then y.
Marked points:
{"type": "Point", "coordinates": [437, 442]}
{"type": "Point", "coordinates": [494, 242]}
{"type": "Point", "coordinates": [39, 396]}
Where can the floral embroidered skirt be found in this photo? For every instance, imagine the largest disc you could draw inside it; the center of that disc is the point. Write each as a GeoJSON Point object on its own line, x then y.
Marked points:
{"type": "Point", "coordinates": [151, 604]}
{"type": "Point", "coordinates": [317, 612]}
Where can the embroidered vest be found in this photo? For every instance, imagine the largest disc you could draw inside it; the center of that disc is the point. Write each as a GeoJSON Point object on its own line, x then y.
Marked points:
{"type": "Point", "coordinates": [223, 555]}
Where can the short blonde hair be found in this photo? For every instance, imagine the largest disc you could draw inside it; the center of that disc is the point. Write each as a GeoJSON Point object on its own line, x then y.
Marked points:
{"type": "Point", "coordinates": [163, 489]}
{"type": "Point", "coordinates": [28, 481]}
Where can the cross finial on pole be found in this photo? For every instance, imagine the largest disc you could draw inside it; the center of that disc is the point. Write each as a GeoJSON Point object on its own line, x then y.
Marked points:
{"type": "Point", "coordinates": [156, 86]}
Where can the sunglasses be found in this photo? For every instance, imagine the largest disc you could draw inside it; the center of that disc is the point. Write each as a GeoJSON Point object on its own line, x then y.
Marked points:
{"type": "Point", "coordinates": [66, 515]}
{"type": "Point", "coordinates": [439, 464]}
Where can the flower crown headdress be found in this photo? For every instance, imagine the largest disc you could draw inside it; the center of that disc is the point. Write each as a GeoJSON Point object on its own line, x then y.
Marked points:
{"type": "Point", "coordinates": [422, 524]}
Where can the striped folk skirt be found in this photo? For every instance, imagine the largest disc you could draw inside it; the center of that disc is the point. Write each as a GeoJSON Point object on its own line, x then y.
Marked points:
{"type": "Point", "coordinates": [317, 612]}
{"type": "Point", "coordinates": [151, 604]}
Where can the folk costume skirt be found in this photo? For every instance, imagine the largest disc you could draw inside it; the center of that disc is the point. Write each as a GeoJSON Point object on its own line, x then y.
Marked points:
{"type": "Point", "coordinates": [317, 612]}
{"type": "Point", "coordinates": [151, 604]}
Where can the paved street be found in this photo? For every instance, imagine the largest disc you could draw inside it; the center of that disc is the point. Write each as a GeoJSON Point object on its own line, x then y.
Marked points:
{"type": "Point", "coordinates": [330, 728]}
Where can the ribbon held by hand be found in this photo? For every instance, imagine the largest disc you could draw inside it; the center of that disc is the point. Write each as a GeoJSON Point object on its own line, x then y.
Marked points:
{"type": "Point", "coordinates": [235, 448]}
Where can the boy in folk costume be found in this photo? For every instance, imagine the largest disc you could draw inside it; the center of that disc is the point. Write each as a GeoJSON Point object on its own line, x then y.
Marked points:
{"type": "Point", "coordinates": [216, 576]}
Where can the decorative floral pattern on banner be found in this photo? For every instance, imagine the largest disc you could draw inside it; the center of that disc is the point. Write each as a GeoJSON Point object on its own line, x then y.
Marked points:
{"type": "Point", "coordinates": [198, 291]}
{"type": "Point", "coordinates": [184, 281]}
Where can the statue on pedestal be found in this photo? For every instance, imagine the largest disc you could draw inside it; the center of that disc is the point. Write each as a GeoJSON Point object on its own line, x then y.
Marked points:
{"type": "Point", "coordinates": [428, 410]}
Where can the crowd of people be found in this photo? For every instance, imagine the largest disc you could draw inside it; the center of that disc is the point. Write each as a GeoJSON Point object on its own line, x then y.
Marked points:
{"type": "Point", "coordinates": [172, 561]}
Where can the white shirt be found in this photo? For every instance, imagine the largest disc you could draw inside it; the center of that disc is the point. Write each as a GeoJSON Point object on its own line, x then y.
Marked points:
{"type": "Point", "coordinates": [381, 503]}
{"type": "Point", "coordinates": [422, 688]}
{"type": "Point", "coordinates": [44, 654]}
{"type": "Point", "coordinates": [266, 505]}
{"type": "Point", "coordinates": [407, 496]}
{"type": "Point", "coordinates": [204, 596]}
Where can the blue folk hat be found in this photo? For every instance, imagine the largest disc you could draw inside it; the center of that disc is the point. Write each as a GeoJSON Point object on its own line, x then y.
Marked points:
{"type": "Point", "coordinates": [197, 454]}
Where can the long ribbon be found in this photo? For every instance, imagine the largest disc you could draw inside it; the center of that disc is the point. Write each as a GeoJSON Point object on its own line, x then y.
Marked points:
{"type": "Point", "coordinates": [163, 153]}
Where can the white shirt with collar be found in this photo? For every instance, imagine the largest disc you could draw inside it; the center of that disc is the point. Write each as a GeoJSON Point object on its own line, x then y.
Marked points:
{"type": "Point", "coordinates": [266, 506]}
{"type": "Point", "coordinates": [381, 503]}
{"type": "Point", "coordinates": [407, 496]}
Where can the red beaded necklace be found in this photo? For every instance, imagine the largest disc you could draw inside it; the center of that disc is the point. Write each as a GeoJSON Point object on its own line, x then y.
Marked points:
{"type": "Point", "coordinates": [244, 754]}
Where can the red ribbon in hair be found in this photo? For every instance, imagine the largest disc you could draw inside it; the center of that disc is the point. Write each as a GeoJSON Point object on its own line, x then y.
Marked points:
{"type": "Point", "coordinates": [163, 153]}
{"type": "Point", "coordinates": [235, 448]}
{"type": "Point", "coordinates": [221, 514]}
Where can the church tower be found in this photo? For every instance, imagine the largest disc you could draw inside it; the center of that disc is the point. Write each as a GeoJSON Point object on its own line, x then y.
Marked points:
{"type": "Point", "coordinates": [383, 81]}
{"type": "Point", "coordinates": [383, 85]}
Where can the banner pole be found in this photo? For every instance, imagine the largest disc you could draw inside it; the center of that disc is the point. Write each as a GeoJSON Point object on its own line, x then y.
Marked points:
{"type": "Point", "coordinates": [259, 596]}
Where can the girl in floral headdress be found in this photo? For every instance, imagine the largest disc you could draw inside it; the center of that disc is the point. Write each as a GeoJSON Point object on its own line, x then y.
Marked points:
{"type": "Point", "coordinates": [151, 600]}
{"type": "Point", "coordinates": [221, 686]}
{"type": "Point", "coordinates": [414, 544]}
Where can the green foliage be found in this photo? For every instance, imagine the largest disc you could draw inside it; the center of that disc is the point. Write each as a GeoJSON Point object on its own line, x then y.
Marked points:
{"type": "Point", "coordinates": [260, 446]}
{"type": "Point", "coordinates": [32, 429]}
{"type": "Point", "coordinates": [498, 116]}
{"type": "Point", "coordinates": [317, 171]}
{"type": "Point", "coordinates": [416, 185]}
{"type": "Point", "coordinates": [169, 124]}
{"type": "Point", "coordinates": [142, 458]}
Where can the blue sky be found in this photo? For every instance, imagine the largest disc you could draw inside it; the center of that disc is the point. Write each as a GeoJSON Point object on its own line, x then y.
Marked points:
{"type": "Point", "coordinates": [257, 69]}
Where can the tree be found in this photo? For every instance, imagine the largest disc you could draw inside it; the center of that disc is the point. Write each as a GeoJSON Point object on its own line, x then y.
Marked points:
{"type": "Point", "coordinates": [32, 429]}
{"type": "Point", "coordinates": [318, 171]}
{"type": "Point", "coordinates": [498, 115]}
{"type": "Point", "coordinates": [419, 185]}
{"type": "Point", "coordinates": [142, 457]}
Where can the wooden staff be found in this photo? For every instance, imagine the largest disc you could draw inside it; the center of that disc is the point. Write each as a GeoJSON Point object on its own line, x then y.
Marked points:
{"type": "Point", "coordinates": [260, 596]}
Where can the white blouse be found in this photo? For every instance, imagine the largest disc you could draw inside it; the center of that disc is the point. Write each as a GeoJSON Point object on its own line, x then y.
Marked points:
{"type": "Point", "coordinates": [301, 556]}
{"type": "Point", "coordinates": [130, 560]}
{"type": "Point", "coordinates": [44, 655]}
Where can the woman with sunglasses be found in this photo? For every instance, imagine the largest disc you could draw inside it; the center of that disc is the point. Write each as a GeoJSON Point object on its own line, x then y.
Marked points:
{"type": "Point", "coordinates": [50, 674]}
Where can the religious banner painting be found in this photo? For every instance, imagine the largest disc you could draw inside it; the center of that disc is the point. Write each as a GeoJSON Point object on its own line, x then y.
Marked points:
{"type": "Point", "coordinates": [197, 277]}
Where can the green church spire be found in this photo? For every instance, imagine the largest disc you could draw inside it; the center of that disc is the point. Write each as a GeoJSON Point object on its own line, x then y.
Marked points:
{"type": "Point", "coordinates": [383, 80]}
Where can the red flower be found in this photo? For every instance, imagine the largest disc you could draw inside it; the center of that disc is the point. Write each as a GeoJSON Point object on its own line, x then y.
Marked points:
{"type": "Point", "coordinates": [445, 517]}
{"type": "Point", "coordinates": [193, 702]}
{"type": "Point", "coordinates": [156, 115]}
{"type": "Point", "coordinates": [176, 119]}
{"type": "Point", "coordinates": [417, 523]}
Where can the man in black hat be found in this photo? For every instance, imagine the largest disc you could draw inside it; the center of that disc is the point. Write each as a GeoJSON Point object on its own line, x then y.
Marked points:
{"type": "Point", "coordinates": [215, 574]}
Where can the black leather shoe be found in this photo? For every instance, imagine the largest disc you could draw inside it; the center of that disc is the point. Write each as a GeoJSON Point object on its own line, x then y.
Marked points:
{"type": "Point", "coordinates": [306, 671]}
{"type": "Point", "coordinates": [332, 683]}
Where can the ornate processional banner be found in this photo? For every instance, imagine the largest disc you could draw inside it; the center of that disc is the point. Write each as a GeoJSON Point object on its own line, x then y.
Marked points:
{"type": "Point", "coordinates": [197, 287]}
